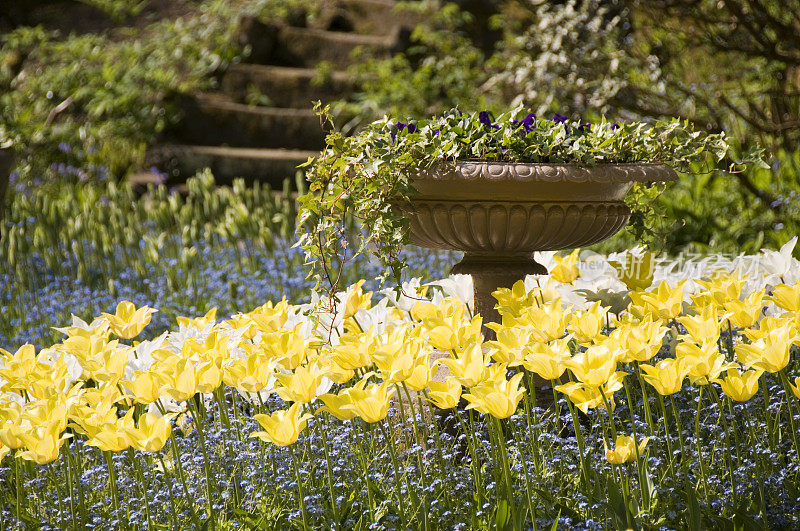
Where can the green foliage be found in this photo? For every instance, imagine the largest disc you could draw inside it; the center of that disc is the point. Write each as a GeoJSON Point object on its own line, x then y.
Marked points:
{"type": "Point", "coordinates": [369, 175]}
{"type": "Point", "coordinates": [106, 96]}
{"type": "Point", "coordinates": [441, 69]}
{"type": "Point", "coordinates": [77, 226]}
{"type": "Point", "coordinates": [118, 9]}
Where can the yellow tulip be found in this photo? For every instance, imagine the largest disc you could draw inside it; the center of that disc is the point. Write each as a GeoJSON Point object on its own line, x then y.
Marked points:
{"type": "Point", "coordinates": [702, 327]}
{"type": "Point", "coordinates": [705, 362]}
{"type": "Point", "coordinates": [353, 350]}
{"type": "Point", "coordinates": [243, 320]}
{"type": "Point", "coordinates": [268, 318]}
{"type": "Point", "coordinates": [586, 397]}
{"type": "Point", "coordinates": [773, 326]}
{"type": "Point", "coordinates": [641, 341]}
{"type": "Point", "coordinates": [209, 376]}
{"type": "Point", "coordinates": [666, 376]}
{"type": "Point", "coordinates": [251, 373]}
{"type": "Point", "coordinates": [637, 274]}
{"type": "Point", "coordinates": [743, 314]}
{"type": "Point", "coordinates": [282, 428]}
{"type": "Point", "coordinates": [595, 366]}
{"type": "Point", "coordinates": [356, 300]}
{"type": "Point", "coordinates": [289, 348]}
{"type": "Point", "coordinates": [470, 366]}
{"type": "Point", "coordinates": [301, 385]}
{"type": "Point", "coordinates": [509, 344]}
{"type": "Point", "coordinates": [372, 402]}
{"type": "Point", "coordinates": [511, 302]}
{"type": "Point", "coordinates": [445, 395]}
{"type": "Point", "coordinates": [566, 268]}
{"type": "Point", "coordinates": [128, 322]}
{"type": "Point", "coordinates": [548, 322]}
{"type": "Point", "coordinates": [586, 326]}
{"type": "Point", "coordinates": [334, 404]}
{"type": "Point", "coordinates": [738, 385]}
{"type": "Point", "coordinates": [769, 353]}
{"type": "Point", "coordinates": [146, 387]}
{"type": "Point", "coordinates": [625, 449]}
{"type": "Point", "coordinates": [181, 382]}
{"type": "Point", "coordinates": [12, 428]}
{"type": "Point", "coordinates": [151, 434]}
{"type": "Point", "coordinates": [787, 297]}
{"type": "Point", "coordinates": [498, 399]}
{"type": "Point", "coordinates": [723, 288]}
{"type": "Point", "coordinates": [547, 359]}
{"type": "Point", "coordinates": [43, 444]}
{"type": "Point", "coordinates": [199, 322]}
{"type": "Point", "coordinates": [664, 302]}
{"type": "Point", "coordinates": [421, 373]}
{"type": "Point", "coordinates": [795, 387]}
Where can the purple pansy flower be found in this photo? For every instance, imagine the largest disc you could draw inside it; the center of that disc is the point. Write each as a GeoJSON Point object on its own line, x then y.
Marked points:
{"type": "Point", "coordinates": [584, 126]}
{"type": "Point", "coordinates": [485, 118]}
{"type": "Point", "coordinates": [527, 122]}
{"type": "Point", "coordinates": [559, 119]}
{"type": "Point", "coordinates": [615, 125]}
{"type": "Point", "coordinates": [412, 128]}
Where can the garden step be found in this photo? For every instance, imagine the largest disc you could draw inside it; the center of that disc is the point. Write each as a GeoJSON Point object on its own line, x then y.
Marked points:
{"type": "Point", "coordinates": [367, 17]}
{"type": "Point", "coordinates": [306, 47]}
{"type": "Point", "coordinates": [269, 166]}
{"type": "Point", "coordinates": [215, 120]}
{"type": "Point", "coordinates": [283, 86]}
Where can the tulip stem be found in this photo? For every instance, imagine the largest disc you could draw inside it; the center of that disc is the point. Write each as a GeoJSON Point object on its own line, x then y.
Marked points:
{"type": "Point", "coordinates": [679, 427]}
{"type": "Point", "coordinates": [392, 453]}
{"type": "Point", "coordinates": [18, 481]}
{"type": "Point", "coordinates": [363, 461]}
{"type": "Point", "coordinates": [176, 455]}
{"type": "Point", "coordinates": [530, 414]}
{"type": "Point", "coordinates": [140, 485]}
{"type": "Point", "coordinates": [68, 474]}
{"type": "Point", "coordinates": [790, 398]}
{"type": "Point", "coordinates": [639, 471]}
{"type": "Point", "coordinates": [671, 454]}
{"type": "Point", "coordinates": [581, 443]}
{"type": "Point", "coordinates": [168, 485]}
{"type": "Point", "coordinates": [528, 489]}
{"type": "Point", "coordinates": [474, 460]}
{"type": "Point", "coordinates": [112, 476]}
{"type": "Point", "coordinates": [697, 441]}
{"type": "Point", "coordinates": [329, 468]}
{"type": "Point", "coordinates": [299, 487]}
{"type": "Point", "coordinates": [501, 449]}
{"type": "Point", "coordinates": [56, 486]}
{"type": "Point", "coordinates": [767, 418]}
{"type": "Point", "coordinates": [646, 401]}
{"type": "Point", "coordinates": [193, 406]}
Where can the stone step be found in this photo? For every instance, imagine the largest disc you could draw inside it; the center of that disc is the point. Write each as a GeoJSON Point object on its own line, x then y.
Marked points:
{"type": "Point", "coordinates": [212, 119]}
{"type": "Point", "coordinates": [306, 47]}
{"type": "Point", "coordinates": [366, 17]}
{"type": "Point", "coordinates": [283, 86]}
{"type": "Point", "coordinates": [270, 166]}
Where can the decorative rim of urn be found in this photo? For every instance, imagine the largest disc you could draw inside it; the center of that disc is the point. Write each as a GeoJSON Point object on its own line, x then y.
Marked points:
{"type": "Point", "coordinates": [498, 210]}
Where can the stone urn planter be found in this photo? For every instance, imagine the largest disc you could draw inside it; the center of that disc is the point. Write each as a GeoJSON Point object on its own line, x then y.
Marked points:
{"type": "Point", "coordinates": [500, 213]}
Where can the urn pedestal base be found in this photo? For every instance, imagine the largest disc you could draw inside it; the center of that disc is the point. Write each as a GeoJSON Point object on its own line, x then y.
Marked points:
{"type": "Point", "coordinates": [492, 271]}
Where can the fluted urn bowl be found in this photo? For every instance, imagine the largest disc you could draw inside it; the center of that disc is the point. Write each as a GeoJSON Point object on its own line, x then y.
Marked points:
{"type": "Point", "coordinates": [499, 213]}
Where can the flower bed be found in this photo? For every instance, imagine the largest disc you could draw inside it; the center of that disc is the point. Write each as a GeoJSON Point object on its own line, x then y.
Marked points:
{"type": "Point", "coordinates": [674, 389]}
